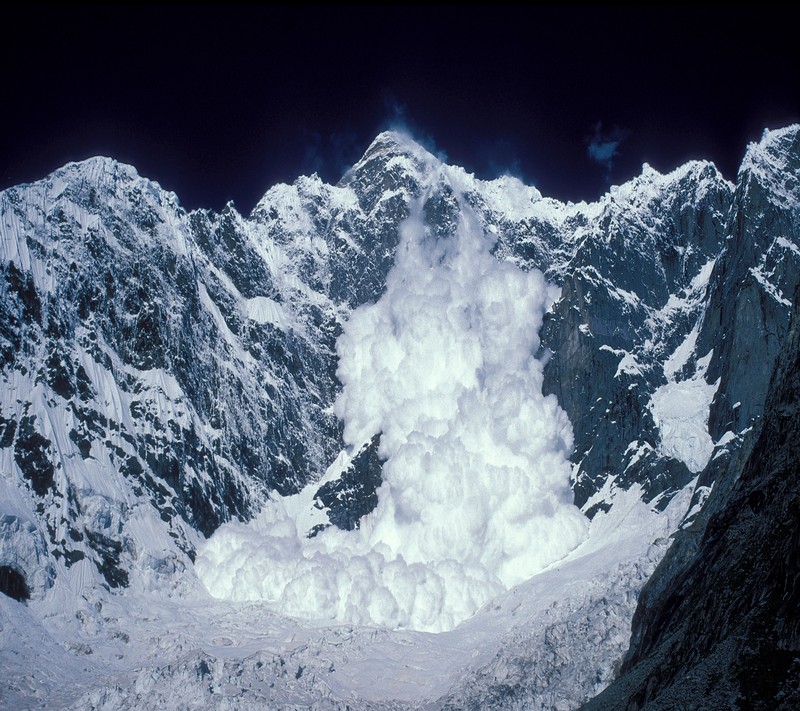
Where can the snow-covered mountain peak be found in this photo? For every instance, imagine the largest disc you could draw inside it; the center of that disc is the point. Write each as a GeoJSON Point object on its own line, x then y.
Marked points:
{"type": "Point", "coordinates": [108, 175]}
{"type": "Point", "coordinates": [393, 166]}
{"type": "Point", "coordinates": [774, 163]}
{"type": "Point", "coordinates": [97, 168]}
{"type": "Point", "coordinates": [374, 362]}
{"type": "Point", "coordinates": [775, 145]}
{"type": "Point", "coordinates": [686, 184]}
{"type": "Point", "coordinates": [395, 143]}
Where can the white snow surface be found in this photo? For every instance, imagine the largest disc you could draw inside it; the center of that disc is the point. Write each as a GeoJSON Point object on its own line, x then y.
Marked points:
{"type": "Point", "coordinates": [680, 410]}
{"type": "Point", "coordinates": [681, 407]}
{"type": "Point", "coordinates": [475, 495]}
{"type": "Point", "coordinates": [164, 643]}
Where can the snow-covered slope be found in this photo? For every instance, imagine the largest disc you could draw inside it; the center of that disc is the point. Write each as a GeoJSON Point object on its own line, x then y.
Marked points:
{"type": "Point", "coordinates": [553, 640]}
{"type": "Point", "coordinates": [151, 390]}
{"type": "Point", "coordinates": [374, 398]}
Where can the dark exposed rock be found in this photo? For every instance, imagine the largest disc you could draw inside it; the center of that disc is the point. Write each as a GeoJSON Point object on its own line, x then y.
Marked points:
{"type": "Point", "coordinates": [31, 452]}
{"type": "Point", "coordinates": [13, 584]}
{"type": "Point", "coordinates": [609, 333]}
{"type": "Point", "coordinates": [354, 493]}
{"type": "Point", "coordinates": [753, 282]}
{"type": "Point", "coordinates": [718, 624]}
{"type": "Point", "coordinates": [108, 562]}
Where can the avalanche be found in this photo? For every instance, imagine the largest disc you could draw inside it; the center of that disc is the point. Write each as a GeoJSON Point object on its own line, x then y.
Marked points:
{"type": "Point", "coordinates": [475, 495]}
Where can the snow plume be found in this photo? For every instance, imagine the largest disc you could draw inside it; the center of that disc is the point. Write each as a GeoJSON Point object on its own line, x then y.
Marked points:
{"type": "Point", "coordinates": [397, 119]}
{"type": "Point", "coordinates": [475, 495]}
{"type": "Point", "coordinates": [602, 147]}
{"type": "Point", "coordinates": [330, 156]}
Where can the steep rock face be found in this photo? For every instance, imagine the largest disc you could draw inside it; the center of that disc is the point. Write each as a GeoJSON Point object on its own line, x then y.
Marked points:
{"type": "Point", "coordinates": [632, 292]}
{"type": "Point", "coordinates": [745, 328]}
{"type": "Point", "coordinates": [754, 281]}
{"type": "Point", "coordinates": [150, 355]}
{"type": "Point", "coordinates": [720, 630]}
{"type": "Point", "coordinates": [737, 546]}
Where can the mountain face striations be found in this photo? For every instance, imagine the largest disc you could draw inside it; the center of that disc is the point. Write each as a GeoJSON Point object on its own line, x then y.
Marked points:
{"type": "Point", "coordinates": [716, 625]}
{"type": "Point", "coordinates": [169, 374]}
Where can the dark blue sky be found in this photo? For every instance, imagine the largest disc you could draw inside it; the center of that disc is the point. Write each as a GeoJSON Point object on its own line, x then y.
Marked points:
{"type": "Point", "coordinates": [219, 103]}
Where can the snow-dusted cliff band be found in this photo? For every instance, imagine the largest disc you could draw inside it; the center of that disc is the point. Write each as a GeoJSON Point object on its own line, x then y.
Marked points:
{"type": "Point", "coordinates": [411, 403]}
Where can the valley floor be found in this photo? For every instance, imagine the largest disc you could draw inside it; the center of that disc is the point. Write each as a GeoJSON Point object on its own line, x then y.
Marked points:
{"type": "Point", "coordinates": [551, 642]}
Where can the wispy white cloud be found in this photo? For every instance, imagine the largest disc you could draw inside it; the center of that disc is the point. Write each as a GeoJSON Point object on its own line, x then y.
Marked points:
{"type": "Point", "coordinates": [603, 146]}
{"type": "Point", "coordinates": [397, 119]}
{"type": "Point", "coordinates": [331, 155]}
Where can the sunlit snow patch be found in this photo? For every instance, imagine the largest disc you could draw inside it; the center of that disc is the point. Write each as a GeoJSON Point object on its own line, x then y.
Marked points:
{"type": "Point", "coordinates": [475, 495]}
{"type": "Point", "coordinates": [680, 409]}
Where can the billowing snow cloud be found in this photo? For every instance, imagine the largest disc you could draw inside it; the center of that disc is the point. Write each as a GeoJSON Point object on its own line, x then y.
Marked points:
{"type": "Point", "coordinates": [475, 495]}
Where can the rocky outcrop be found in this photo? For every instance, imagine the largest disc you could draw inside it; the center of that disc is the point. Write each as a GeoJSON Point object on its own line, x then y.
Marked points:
{"type": "Point", "coordinates": [150, 355]}
{"type": "Point", "coordinates": [718, 628]}
{"type": "Point", "coordinates": [754, 281]}
{"type": "Point", "coordinates": [632, 292]}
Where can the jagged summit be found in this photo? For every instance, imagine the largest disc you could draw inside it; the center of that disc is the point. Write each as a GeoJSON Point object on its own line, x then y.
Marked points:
{"type": "Point", "coordinates": [398, 142]}
{"type": "Point", "coordinates": [773, 163]}
{"type": "Point", "coordinates": [108, 172]}
{"type": "Point", "coordinates": [774, 142]}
